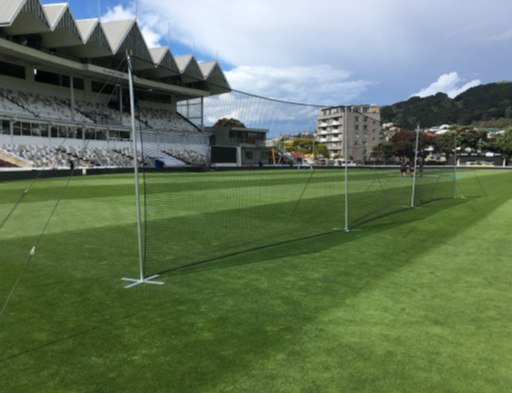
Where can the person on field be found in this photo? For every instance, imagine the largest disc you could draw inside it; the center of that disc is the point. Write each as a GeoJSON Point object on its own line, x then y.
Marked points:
{"type": "Point", "coordinates": [403, 169]}
{"type": "Point", "coordinates": [421, 168]}
{"type": "Point", "coordinates": [411, 169]}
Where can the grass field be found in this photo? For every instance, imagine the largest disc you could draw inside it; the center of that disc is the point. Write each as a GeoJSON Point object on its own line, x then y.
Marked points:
{"type": "Point", "coordinates": [417, 301]}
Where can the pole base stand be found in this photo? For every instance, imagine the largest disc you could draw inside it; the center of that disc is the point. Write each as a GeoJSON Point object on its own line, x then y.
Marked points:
{"type": "Point", "coordinates": [142, 281]}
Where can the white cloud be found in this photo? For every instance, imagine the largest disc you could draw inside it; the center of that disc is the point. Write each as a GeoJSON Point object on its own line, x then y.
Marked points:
{"type": "Point", "coordinates": [392, 42]}
{"type": "Point", "coordinates": [447, 83]}
{"type": "Point", "coordinates": [119, 12]}
{"type": "Point", "coordinates": [320, 84]}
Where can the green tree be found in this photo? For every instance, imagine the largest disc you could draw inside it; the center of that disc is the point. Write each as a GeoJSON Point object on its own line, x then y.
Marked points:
{"type": "Point", "coordinates": [305, 146]}
{"type": "Point", "coordinates": [445, 144]}
{"type": "Point", "coordinates": [385, 150]}
{"type": "Point", "coordinates": [471, 139]}
{"type": "Point", "coordinates": [505, 142]}
{"type": "Point", "coordinates": [224, 122]}
{"type": "Point", "coordinates": [405, 143]}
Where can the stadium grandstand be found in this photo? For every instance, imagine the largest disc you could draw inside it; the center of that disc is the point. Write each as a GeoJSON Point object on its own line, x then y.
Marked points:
{"type": "Point", "coordinates": [64, 91]}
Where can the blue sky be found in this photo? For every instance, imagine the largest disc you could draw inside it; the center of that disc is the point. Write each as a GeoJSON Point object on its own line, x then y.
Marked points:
{"type": "Point", "coordinates": [331, 52]}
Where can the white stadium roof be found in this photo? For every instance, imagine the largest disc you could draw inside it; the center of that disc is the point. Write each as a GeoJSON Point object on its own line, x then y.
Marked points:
{"type": "Point", "coordinates": [60, 39]}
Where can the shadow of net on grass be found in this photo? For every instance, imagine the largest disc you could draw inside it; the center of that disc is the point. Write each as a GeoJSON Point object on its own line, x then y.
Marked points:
{"type": "Point", "coordinates": [213, 214]}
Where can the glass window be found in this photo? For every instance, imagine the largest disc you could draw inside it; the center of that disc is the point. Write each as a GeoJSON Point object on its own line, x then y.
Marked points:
{"type": "Point", "coordinates": [25, 129]}
{"type": "Point", "coordinates": [71, 133]}
{"type": "Point", "coordinates": [36, 129]}
{"type": "Point", "coordinates": [54, 131]}
{"type": "Point", "coordinates": [79, 133]}
{"type": "Point", "coordinates": [44, 129]}
{"type": "Point", "coordinates": [78, 83]}
{"type": "Point", "coordinates": [90, 134]}
{"type": "Point", "coordinates": [47, 77]}
{"type": "Point", "coordinates": [113, 135]}
{"type": "Point", "coordinates": [16, 128]}
{"type": "Point", "coordinates": [65, 81]}
{"type": "Point", "coordinates": [13, 70]}
{"type": "Point", "coordinates": [98, 87]}
{"type": "Point", "coordinates": [63, 132]}
{"type": "Point", "coordinates": [101, 135]}
{"type": "Point", "coordinates": [5, 129]}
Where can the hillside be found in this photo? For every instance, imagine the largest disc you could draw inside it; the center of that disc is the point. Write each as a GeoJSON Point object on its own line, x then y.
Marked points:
{"type": "Point", "coordinates": [484, 105]}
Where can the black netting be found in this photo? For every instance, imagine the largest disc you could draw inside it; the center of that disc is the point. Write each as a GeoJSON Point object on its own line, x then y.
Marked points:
{"type": "Point", "coordinates": [214, 198]}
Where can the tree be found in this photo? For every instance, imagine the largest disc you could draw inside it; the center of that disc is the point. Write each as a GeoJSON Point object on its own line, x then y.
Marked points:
{"type": "Point", "coordinates": [385, 150]}
{"type": "Point", "coordinates": [505, 142]}
{"type": "Point", "coordinates": [305, 146]}
{"type": "Point", "coordinates": [224, 122]}
{"type": "Point", "coordinates": [445, 144]}
{"type": "Point", "coordinates": [405, 143]}
{"type": "Point", "coordinates": [471, 139]}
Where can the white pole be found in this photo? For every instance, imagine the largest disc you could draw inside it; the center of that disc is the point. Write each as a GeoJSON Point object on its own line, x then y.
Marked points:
{"type": "Point", "coordinates": [169, 34]}
{"type": "Point", "coordinates": [455, 163]}
{"type": "Point", "coordinates": [137, 193]}
{"type": "Point", "coordinates": [414, 166]}
{"type": "Point", "coordinates": [135, 167]}
{"type": "Point", "coordinates": [345, 136]}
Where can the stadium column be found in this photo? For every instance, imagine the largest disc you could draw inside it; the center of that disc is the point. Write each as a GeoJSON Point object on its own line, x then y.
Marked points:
{"type": "Point", "coordinates": [142, 278]}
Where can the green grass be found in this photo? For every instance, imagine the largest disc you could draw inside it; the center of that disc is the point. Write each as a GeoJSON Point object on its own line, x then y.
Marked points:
{"type": "Point", "coordinates": [414, 302]}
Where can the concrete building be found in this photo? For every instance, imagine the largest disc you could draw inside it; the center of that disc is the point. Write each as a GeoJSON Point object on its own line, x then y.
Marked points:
{"type": "Point", "coordinates": [363, 126]}
{"type": "Point", "coordinates": [235, 146]}
{"type": "Point", "coordinates": [64, 92]}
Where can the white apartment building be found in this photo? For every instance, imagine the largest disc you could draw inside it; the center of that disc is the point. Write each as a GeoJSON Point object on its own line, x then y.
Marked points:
{"type": "Point", "coordinates": [363, 126]}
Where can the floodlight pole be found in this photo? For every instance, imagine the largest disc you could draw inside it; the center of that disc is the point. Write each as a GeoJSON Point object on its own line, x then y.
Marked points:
{"type": "Point", "coordinates": [415, 168]}
{"type": "Point", "coordinates": [141, 279]}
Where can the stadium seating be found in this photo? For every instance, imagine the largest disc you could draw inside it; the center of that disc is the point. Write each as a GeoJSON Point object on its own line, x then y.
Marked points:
{"type": "Point", "coordinates": [33, 107]}
{"type": "Point", "coordinates": [9, 105]}
{"type": "Point", "coordinates": [45, 156]}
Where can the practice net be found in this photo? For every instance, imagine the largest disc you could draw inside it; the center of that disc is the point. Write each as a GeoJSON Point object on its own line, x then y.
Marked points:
{"type": "Point", "coordinates": [226, 202]}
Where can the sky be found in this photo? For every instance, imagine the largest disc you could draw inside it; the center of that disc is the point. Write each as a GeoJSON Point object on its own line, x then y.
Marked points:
{"type": "Point", "coordinates": [331, 52]}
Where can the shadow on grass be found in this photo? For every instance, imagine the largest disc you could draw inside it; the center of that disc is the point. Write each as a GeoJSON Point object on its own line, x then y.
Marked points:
{"type": "Point", "coordinates": [317, 243]}
{"type": "Point", "coordinates": [244, 315]}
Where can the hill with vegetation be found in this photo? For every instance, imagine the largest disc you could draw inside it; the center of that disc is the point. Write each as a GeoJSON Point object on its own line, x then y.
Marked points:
{"type": "Point", "coordinates": [483, 106]}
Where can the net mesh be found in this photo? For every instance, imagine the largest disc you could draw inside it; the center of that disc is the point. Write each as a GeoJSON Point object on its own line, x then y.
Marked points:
{"type": "Point", "coordinates": [195, 213]}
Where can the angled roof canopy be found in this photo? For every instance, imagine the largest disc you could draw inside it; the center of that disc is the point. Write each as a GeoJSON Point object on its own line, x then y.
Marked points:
{"type": "Point", "coordinates": [53, 28]}
{"type": "Point", "coordinates": [23, 17]}
{"type": "Point", "coordinates": [215, 77]}
{"type": "Point", "coordinates": [64, 31]}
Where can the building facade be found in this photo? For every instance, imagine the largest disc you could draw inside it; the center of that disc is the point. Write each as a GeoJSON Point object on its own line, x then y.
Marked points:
{"type": "Point", "coordinates": [363, 126]}
{"type": "Point", "coordinates": [235, 146]}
